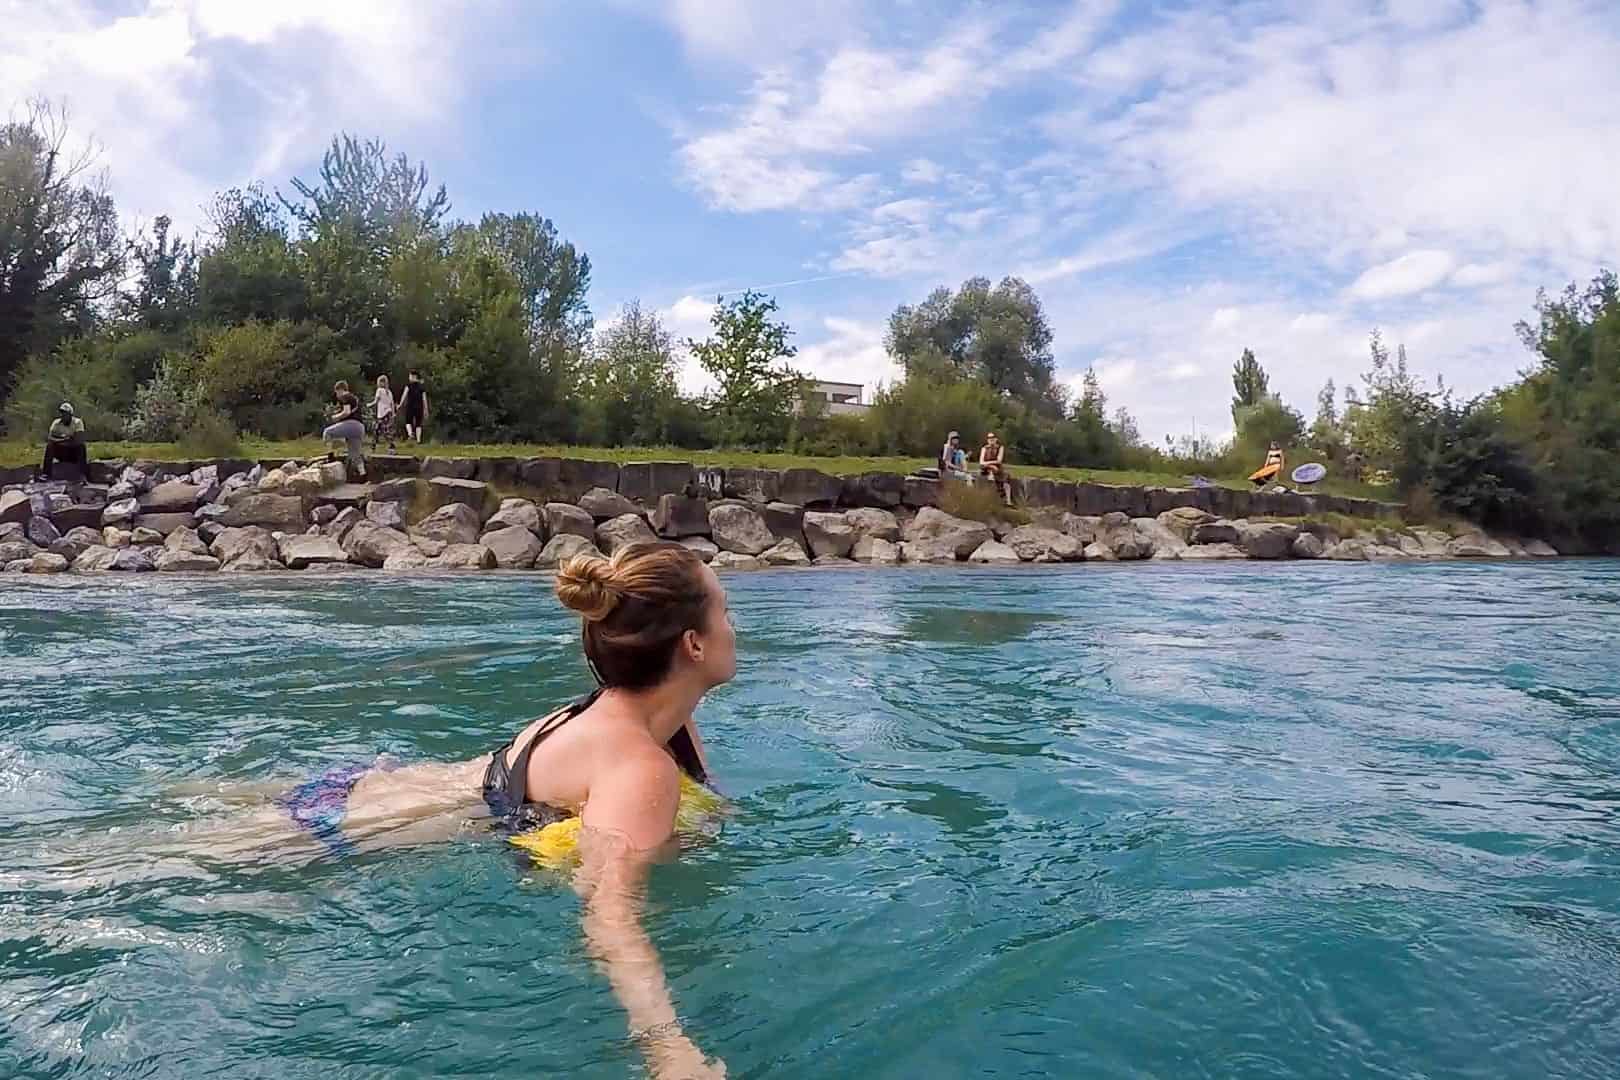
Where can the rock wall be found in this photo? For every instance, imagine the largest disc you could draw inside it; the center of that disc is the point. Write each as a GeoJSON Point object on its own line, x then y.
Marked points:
{"type": "Point", "coordinates": [447, 514]}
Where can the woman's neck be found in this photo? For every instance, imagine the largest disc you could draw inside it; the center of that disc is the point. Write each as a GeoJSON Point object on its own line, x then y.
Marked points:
{"type": "Point", "coordinates": [662, 710]}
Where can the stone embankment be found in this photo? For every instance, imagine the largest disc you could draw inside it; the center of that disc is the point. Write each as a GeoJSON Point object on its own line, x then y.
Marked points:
{"type": "Point", "coordinates": [450, 514]}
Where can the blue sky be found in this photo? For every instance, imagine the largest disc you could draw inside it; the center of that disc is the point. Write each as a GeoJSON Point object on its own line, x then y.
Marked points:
{"type": "Point", "coordinates": [1178, 180]}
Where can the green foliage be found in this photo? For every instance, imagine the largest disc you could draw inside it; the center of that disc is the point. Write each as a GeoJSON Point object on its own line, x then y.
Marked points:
{"type": "Point", "coordinates": [209, 433]}
{"type": "Point", "coordinates": [629, 381]}
{"type": "Point", "coordinates": [1391, 423]}
{"type": "Point", "coordinates": [1477, 472]}
{"type": "Point", "coordinates": [755, 393]}
{"type": "Point", "coordinates": [978, 502]}
{"type": "Point", "coordinates": [1250, 385]}
{"type": "Point", "coordinates": [1268, 421]}
{"type": "Point", "coordinates": [84, 373]}
{"type": "Point", "coordinates": [998, 336]}
{"type": "Point", "coordinates": [915, 416]}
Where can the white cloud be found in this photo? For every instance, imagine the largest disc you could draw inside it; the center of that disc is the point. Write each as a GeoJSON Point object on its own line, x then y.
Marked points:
{"type": "Point", "coordinates": [1183, 371]}
{"type": "Point", "coordinates": [921, 171]}
{"type": "Point", "coordinates": [852, 352]}
{"type": "Point", "coordinates": [1411, 273]}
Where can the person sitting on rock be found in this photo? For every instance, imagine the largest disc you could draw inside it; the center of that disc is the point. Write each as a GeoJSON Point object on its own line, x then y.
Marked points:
{"type": "Point", "coordinates": [993, 465]}
{"type": "Point", "coordinates": [349, 428]}
{"type": "Point", "coordinates": [952, 458]}
{"type": "Point", "coordinates": [65, 443]}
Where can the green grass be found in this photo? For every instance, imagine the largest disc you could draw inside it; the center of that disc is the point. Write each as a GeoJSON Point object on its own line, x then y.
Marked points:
{"type": "Point", "coordinates": [26, 453]}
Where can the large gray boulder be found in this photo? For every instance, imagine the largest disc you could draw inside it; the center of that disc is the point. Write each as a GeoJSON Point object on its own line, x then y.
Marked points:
{"type": "Point", "coordinates": [520, 513]}
{"type": "Point", "coordinates": [1214, 532]}
{"type": "Point", "coordinates": [465, 557]}
{"type": "Point", "coordinates": [680, 515]}
{"type": "Point", "coordinates": [1267, 539]}
{"type": "Point", "coordinates": [114, 537]}
{"type": "Point", "coordinates": [739, 529]}
{"type": "Point", "coordinates": [1182, 520]}
{"type": "Point", "coordinates": [937, 549]}
{"type": "Point", "coordinates": [1431, 543]}
{"type": "Point", "coordinates": [994, 553]}
{"type": "Point", "coordinates": [121, 512]}
{"type": "Point", "coordinates": [15, 532]}
{"type": "Point", "coordinates": [46, 562]}
{"type": "Point", "coordinates": [1540, 549]}
{"type": "Point", "coordinates": [370, 544]}
{"type": "Point", "coordinates": [41, 533]}
{"type": "Point", "coordinates": [14, 506]}
{"type": "Point", "coordinates": [933, 526]}
{"type": "Point", "coordinates": [733, 560]}
{"type": "Point", "coordinates": [408, 559]}
{"type": "Point", "coordinates": [562, 547]}
{"type": "Point", "coordinates": [623, 531]}
{"type": "Point", "coordinates": [144, 537]}
{"type": "Point", "coordinates": [1213, 551]}
{"type": "Point", "coordinates": [133, 560]}
{"type": "Point", "coordinates": [173, 561]}
{"type": "Point", "coordinates": [1307, 546]}
{"type": "Point", "coordinates": [94, 559]}
{"type": "Point", "coordinates": [566, 519]}
{"type": "Point", "coordinates": [605, 505]}
{"type": "Point", "coordinates": [402, 489]}
{"type": "Point", "coordinates": [808, 487]}
{"type": "Point", "coordinates": [248, 542]}
{"type": "Point", "coordinates": [1083, 529]}
{"type": "Point", "coordinates": [515, 547]}
{"type": "Point", "coordinates": [785, 553]}
{"type": "Point", "coordinates": [388, 515]}
{"type": "Point", "coordinates": [784, 520]}
{"type": "Point", "coordinates": [876, 551]}
{"type": "Point", "coordinates": [1119, 534]}
{"type": "Point", "coordinates": [171, 497]}
{"type": "Point", "coordinates": [1476, 546]}
{"type": "Point", "coordinates": [701, 546]}
{"type": "Point", "coordinates": [1035, 544]}
{"type": "Point", "coordinates": [1347, 551]}
{"type": "Point", "coordinates": [164, 524]}
{"type": "Point", "coordinates": [829, 534]}
{"type": "Point", "coordinates": [1097, 551]}
{"type": "Point", "coordinates": [871, 521]}
{"type": "Point", "coordinates": [284, 512]}
{"type": "Point", "coordinates": [299, 552]}
{"type": "Point", "coordinates": [450, 491]}
{"type": "Point", "coordinates": [456, 523]}
{"type": "Point", "coordinates": [1166, 543]}
{"type": "Point", "coordinates": [339, 526]}
{"type": "Point", "coordinates": [428, 546]}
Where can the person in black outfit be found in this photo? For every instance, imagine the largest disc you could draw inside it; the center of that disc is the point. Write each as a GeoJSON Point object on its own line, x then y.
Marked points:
{"type": "Point", "coordinates": [414, 406]}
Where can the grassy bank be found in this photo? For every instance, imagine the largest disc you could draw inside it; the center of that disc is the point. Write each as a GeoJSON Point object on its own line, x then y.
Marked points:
{"type": "Point", "coordinates": [22, 453]}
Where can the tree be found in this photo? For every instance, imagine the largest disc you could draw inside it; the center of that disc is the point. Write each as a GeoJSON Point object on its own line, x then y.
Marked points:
{"type": "Point", "coordinates": [998, 336]}
{"type": "Point", "coordinates": [552, 276]}
{"type": "Point", "coordinates": [630, 379]}
{"type": "Point", "coordinates": [165, 294]}
{"type": "Point", "coordinates": [1477, 472]}
{"type": "Point", "coordinates": [1325, 434]}
{"type": "Point", "coordinates": [1250, 383]}
{"type": "Point", "coordinates": [1391, 421]}
{"type": "Point", "coordinates": [249, 269]}
{"type": "Point", "coordinates": [753, 402]}
{"type": "Point", "coordinates": [61, 255]}
{"type": "Point", "coordinates": [361, 188]}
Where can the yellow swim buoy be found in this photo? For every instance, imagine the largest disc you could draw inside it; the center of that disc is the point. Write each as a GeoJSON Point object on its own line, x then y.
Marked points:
{"type": "Point", "coordinates": [556, 846]}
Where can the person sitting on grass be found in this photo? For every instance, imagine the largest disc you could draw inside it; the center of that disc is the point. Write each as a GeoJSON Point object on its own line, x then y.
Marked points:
{"type": "Point", "coordinates": [348, 428]}
{"type": "Point", "coordinates": [993, 465]}
{"type": "Point", "coordinates": [65, 443]}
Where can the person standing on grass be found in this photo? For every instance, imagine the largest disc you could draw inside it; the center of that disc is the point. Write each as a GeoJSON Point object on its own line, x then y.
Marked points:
{"type": "Point", "coordinates": [382, 403]}
{"type": "Point", "coordinates": [349, 428]}
{"type": "Point", "coordinates": [415, 407]}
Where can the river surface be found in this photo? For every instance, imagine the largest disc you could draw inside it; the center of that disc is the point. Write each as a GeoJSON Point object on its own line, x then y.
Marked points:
{"type": "Point", "coordinates": [1236, 820]}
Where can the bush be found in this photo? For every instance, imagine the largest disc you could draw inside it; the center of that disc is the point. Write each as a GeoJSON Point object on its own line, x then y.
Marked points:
{"type": "Point", "coordinates": [978, 502]}
{"type": "Point", "coordinates": [80, 372]}
{"type": "Point", "coordinates": [914, 417]}
{"type": "Point", "coordinates": [209, 433]}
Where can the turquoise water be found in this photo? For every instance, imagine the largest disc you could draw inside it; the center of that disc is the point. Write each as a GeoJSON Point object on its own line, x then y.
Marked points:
{"type": "Point", "coordinates": [1130, 821]}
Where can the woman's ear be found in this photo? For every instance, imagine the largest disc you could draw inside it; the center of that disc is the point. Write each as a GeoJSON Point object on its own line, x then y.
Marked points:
{"type": "Point", "coordinates": [693, 644]}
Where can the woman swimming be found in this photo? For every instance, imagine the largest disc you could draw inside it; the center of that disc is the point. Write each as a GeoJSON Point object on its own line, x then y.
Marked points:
{"type": "Point", "coordinates": [658, 637]}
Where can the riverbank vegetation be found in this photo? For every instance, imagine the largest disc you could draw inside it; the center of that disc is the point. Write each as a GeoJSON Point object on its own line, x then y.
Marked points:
{"type": "Point", "coordinates": [229, 342]}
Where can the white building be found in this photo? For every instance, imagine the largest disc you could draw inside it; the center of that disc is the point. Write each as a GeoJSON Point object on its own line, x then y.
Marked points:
{"type": "Point", "coordinates": [839, 399]}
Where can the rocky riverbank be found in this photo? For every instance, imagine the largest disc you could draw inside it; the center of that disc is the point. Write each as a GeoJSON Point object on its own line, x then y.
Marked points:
{"type": "Point", "coordinates": [502, 513]}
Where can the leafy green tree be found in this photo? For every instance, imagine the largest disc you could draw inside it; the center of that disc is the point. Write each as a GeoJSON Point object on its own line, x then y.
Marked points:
{"type": "Point", "coordinates": [61, 253]}
{"type": "Point", "coordinates": [629, 379]}
{"type": "Point", "coordinates": [998, 336]}
{"type": "Point", "coordinates": [552, 276]}
{"type": "Point", "coordinates": [1391, 421]}
{"type": "Point", "coordinates": [1325, 434]}
{"type": "Point", "coordinates": [164, 296]}
{"type": "Point", "coordinates": [1250, 384]}
{"type": "Point", "coordinates": [249, 268]}
{"type": "Point", "coordinates": [1476, 471]}
{"type": "Point", "coordinates": [753, 401]}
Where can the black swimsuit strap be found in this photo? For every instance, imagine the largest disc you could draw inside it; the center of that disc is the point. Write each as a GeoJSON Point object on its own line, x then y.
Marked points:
{"type": "Point", "coordinates": [517, 784]}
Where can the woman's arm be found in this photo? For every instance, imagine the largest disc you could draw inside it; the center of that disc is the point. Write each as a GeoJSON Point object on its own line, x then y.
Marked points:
{"type": "Point", "coordinates": [629, 816]}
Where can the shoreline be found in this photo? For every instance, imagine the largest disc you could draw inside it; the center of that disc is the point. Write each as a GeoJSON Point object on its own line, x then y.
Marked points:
{"type": "Point", "coordinates": [480, 514]}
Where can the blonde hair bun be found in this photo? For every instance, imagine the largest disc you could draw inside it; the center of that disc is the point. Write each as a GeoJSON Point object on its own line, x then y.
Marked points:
{"type": "Point", "coordinates": [585, 584]}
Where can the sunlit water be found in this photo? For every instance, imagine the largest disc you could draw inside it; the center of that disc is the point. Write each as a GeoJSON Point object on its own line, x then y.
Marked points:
{"type": "Point", "coordinates": [1129, 821]}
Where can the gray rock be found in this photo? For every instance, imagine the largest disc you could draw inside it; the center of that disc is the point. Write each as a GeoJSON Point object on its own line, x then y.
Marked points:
{"type": "Point", "coordinates": [214, 512]}
{"type": "Point", "coordinates": [407, 560]}
{"type": "Point", "coordinates": [94, 559]}
{"type": "Point", "coordinates": [175, 561]}
{"type": "Point", "coordinates": [936, 526]}
{"type": "Point", "coordinates": [453, 468]}
{"type": "Point", "coordinates": [455, 523]}
{"type": "Point", "coordinates": [1476, 546]}
{"type": "Point", "coordinates": [133, 560]}
{"type": "Point", "coordinates": [122, 490]}
{"type": "Point", "coordinates": [171, 497]}
{"type": "Point", "coordinates": [429, 546]}
{"type": "Point", "coordinates": [833, 562]}
{"type": "Point", "coordinates": [77, 514]}
{"type": "Point", "coordinates": [185, 540]}
{"type": "Point", "coordinates": [41, 532]}
{"type": "Point", "coordinates": [1083, 529]}
{"type": "Point", "coordinates": [1214, 551]}
{"type": "Point", "coordinates": [1385, 553]}
{"type": "Point", "coordinates": [516, 512]}
{"type": "Point", "coordinates": [1267, 539]}
{"type": "Point", "coordinates": [808, 487]}
{"type": "Point", "coordinates": [623, 531]}
{"type": "Point", "coordinates": [562, 547]}
{"type": "Point", "coordinates": [732, 560]}
{"type": "Point", "coordinates": [448, 491]}
{"type": "Point", "coordinates": [1165, 543]}
{"type": "Point", "coordinates": [144, 537]}
{"type": "Point", "coordinates": [515, 547]}
{"type": "Point", "coordinates": [298, 552]}
{"type": "Point", "coordinates": [401, 490]}
{"type": "Point", "coordinates": [16, 551]}
{"type": "Point", "coordinates": [389, 515]}
{"type": "Point", "coordinates": [870, 521]}
{"type": "Point", "coordinates": [1307, 546]}
{"type": "Point", "coordinates": [829, 534]}
{"type": "Point", "coordinates": [1035, 544]}
{"type": "Point", "coordinates": [346, 519]}
{"type": "Point", "coordinates": [1540, 549]}
{"type": "Point", "coordinates": [680, 515]}
{"type": "Point", "coordinates": [994, 553]}
{"type": "Point", "coordinates": [604, 505]}
{"type": "Point", "coordinates": [15, 532]}
{"type": "Point", "coordinates": [114, 537]}
{"type": "Point", "coordinates": [465, 557]}
{"type": "Point", "coordinates": [84, 536]}
{"type": "Point", "coordinates": [875, 550]}
{"type": "Point", "coordinates": [941, 549]}
{"type": "Point", "coordinates": [1215, 532]}
{"type": "Point", "coordinates": [785, 553]}
{"type": "Point", "coordinates": [46, 562]}
{"type": "Point", "coordinates": [321, 515]}
{"type": "Point", "coordinates": [1347, 551]}
{"type": "Point", "coordinates": [121, 512]}
{"type": "Point", "coordinates": [164, 524]}
{"type": "Point", "coordinates": [371, 545]}
{"type": "Point", "coordinates": [784, 520]}
{"type": "Point", "coordinates": [251, 542]}
{"type": "Point", "coordinates": [1183, 520]}
{"type": "Point", "coordinates": [1432, 543]}
{"type": "Point", "coordinates": [701, 546]}
{"type": "Point", "coordinates": [14, 506]}
{"type": "Point", "coordinates": [739, 529]}
{"type": "Point", "coordinates": [566, 519]}
{"type": "Point", "coordinates": [284, 512]}
{"type": "Point", "coordinates": [1097, 551]}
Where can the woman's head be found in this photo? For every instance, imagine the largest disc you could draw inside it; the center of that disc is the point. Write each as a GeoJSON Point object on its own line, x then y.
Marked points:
{"type": "Point", "coordinates": [340, 387]}
{"type": "Point", "coordinates": [382, 381]}
{"type": "Point", "coordinates": [652, 612]}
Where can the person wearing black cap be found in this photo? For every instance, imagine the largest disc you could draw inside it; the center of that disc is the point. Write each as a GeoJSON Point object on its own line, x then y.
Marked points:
{"type": "Point", "coordinates": [65, 443]}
